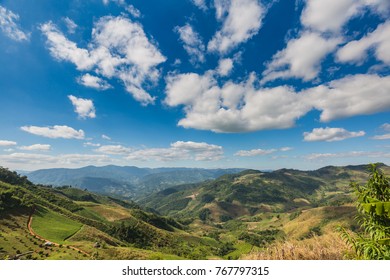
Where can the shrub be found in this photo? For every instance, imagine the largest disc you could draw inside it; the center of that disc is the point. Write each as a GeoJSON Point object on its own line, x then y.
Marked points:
{"type": "Point", "coordinates": [373, 204]}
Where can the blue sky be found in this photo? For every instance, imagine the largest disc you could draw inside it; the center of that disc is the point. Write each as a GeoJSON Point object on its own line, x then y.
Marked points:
{"type": "Point", "coordinates": [196, 83]}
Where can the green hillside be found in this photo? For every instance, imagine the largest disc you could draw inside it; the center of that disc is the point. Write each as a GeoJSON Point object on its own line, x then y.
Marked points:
{"type": "Point", "coordinates": [251, 214]}
{"type": "Point", "coordinates": [97, 226]}
{"type": "Point", "coordinates": [252, 192]}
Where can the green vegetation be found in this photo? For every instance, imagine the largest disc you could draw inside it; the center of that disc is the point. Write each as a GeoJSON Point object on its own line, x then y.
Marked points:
{"type": "Point", "coordinates": [286, 214]}
{"type": "Point", "coordinates": [373, 204]}
{"type": "Point", "coordinates": [53, 226]}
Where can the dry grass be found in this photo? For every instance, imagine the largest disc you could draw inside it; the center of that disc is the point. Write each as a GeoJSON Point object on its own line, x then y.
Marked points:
{"type": "Point", "coordinates": [328, 218]}
{"type": "Point", "coordinates": [325, 247]}
{"type": "Point", "coordinates": [111, 213]}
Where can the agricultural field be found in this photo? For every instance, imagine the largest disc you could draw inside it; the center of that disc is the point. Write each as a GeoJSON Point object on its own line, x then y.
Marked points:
{"type": "Point", "coordinates": [16, 242]}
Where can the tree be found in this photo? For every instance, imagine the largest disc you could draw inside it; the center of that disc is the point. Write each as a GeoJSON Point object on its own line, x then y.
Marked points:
{"type": "Point", "coordinates": [373, 205]}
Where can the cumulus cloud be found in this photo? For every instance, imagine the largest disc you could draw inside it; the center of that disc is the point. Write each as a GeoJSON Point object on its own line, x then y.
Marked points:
{"type": "Point", "coordinates": [192, 43]}
{"type": "Point", "coordinates": [113, 150]}
{"type": "Point", "coordinates": [119, 49]}
{"type": "Point", "coordinates": [180, 150]}
{"type": "Point", "coordinates": [347, 97]}
{"type": "Point", "coordinates": [9, 26]}
{"type": "Point", "coordinates": [241, 20]}
{"type": "Point", "coordinates": [133, 11]}
{"type": "Point", "coordinates": [201, 4]}
{"type": "Point", "coordinates": [71, 25]}
{"type": "Point", "coordinates": [382, 137]}
{"type": "Point", "coordinates": [32, 160]}
{"type": "Point", "coordinates": [365, 154]}
{"type": "Point", "coordinates": [255, 152]}
{"type": "Point", "coordinates": [105, 137]}
{"type": "Point", "coordinates": [260, 152]}
{"type": "Point", "coordinates": [384, 127]}
{"type": "Point", "coordinates": [233, 107]}
{"type": "Point", "coordinates": [378, 40]}
{"type": "Point", "coordinates": [330, 134]}
{"type": "Point", "coordinates": [225, 66]}
{"type": "Point", "coordinates": [301, 58]}
{"type": "Point", "coordinates": [239, 107]}
{"type": "Point", "coordinates": [329, 15]}
{"type": "Point", "coordinates": [332, 15]}
{"type": "Point", "coordinates": [90, 144]}
{"type": "Point", "coordinates": [93, 82]}
{"type": "Point", "coordinates": [6, 143]}
{"type": "Point", "coordinates": [83, 107]}
{"type": "Point", "coordinates": [57, 131]}
{"type": "Point", "coordinates": [36, 147]}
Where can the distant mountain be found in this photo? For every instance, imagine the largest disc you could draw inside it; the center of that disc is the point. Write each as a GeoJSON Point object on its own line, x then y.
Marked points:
{"type": "Point", "coordinates": [252, 192]}
{"type": "Point", "coordinates": [126, 181]}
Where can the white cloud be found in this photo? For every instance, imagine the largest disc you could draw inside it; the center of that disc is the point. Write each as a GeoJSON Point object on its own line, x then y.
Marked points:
{"type": "Point", "coordinates": [386, 126]}
{"type": "Point", "coordinates": [186, 88]}
{"type": "Point", "coordinates": [113, 150]}
{"type": "Point", "coordinates": [365, 154]}
{"type": "Point", "coordinates": [119, 49]}
{"type": "Point", "coordinates": [382, 137]}
{"type": "Point", "coordinates": [379, 40]}
{"type": "Point", "coordinates": [57, 131]}
{"type": "Point", "coordinates": [31, 161]}
{"type": "Point", "coordinates": [221, 8]}
{"type": "Point", "coordinates": [180, 150]}
{"type": "Point", "coordinates": [233, 107]}
{"type": "Point", "coordinates": [225, 66]}
{"type": "Point", "coordinates": [36, 147]}
{"type": "Point", "coordinates": [90, 144]}
{"type": "Point", "coordinates": [192, 43]}
{"type": "Point", "coordinates": [105, 137]}
{"type": "Point", "coordinates": [63, 49]}
{"type": "Point", "coordinates": [241, 21]}
{"type": "Point", "coordinates": [119, 2]}
{"type": "Point", "coordinates": [83, 107]}
{"type": "Point", "coordinates": [5, 143]}
{"type": "Point", "coordinates": [261, 152]}
{"type": "Point", "coordinates": [332, 15]}
{"type": "Point", "coordinates": [201, 4]}
{"type": "Point", "coordinates": [202, 151]}
{"type": "Point", "coordinates": [330, 134]}
{"type": "Point", "coordinates": [348, 97]}
{"type": "Point", "coordinates": [133, 11]}
{"type": "Point", "coordinates": [238, 107]}
{"type": "Point", "coordinates": [71, 25]}
{"type": "Point", "coordinates": [93, 82]}
{"type": "Point", "coordinates": [301, 58]}
{"type": "Point", "coordinates": [329, 15]}
{"type": "Point", "coordinates": [9, 26]}
{"type": "Point", "coordinates": [255, 152]}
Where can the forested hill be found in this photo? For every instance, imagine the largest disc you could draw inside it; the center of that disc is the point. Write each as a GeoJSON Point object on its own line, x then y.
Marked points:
{"type": "Point", "coordinates": [251, 192]}
{"type": "Point", "coordinates": [126, 181]}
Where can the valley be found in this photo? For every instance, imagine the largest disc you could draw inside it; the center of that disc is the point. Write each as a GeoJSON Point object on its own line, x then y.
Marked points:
{"type": "Point", "coordinates": [283, 214]}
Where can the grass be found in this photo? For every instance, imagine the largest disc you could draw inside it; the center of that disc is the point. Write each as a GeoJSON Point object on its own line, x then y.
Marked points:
{"type": "Point", "coordinates": [52, 226]}
{"type": "Point", "coordinates": [325, 247]}
{"type": "Point", "coordinates": [242, 248]}
{"type": "Point", "coordinates": [109, 213]}
{"type": "Point", "coordinates": [15, 239]}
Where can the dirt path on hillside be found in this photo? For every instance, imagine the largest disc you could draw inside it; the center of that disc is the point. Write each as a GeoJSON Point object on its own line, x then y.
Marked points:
{"type": "Point", "coordinates": [30, 217]}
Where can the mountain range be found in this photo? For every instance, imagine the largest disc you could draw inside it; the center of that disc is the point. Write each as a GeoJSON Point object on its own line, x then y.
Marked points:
{"type": "Point", "coordinates": [124, 181]}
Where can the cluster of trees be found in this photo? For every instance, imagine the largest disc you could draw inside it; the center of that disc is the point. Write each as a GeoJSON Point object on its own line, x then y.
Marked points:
{"type": "Point", "coordinates": [13, 178]}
